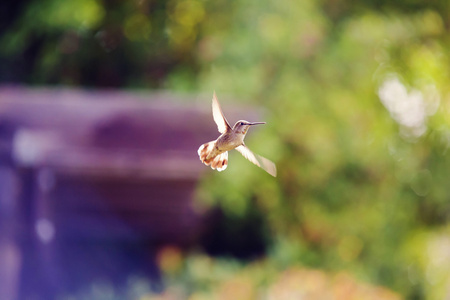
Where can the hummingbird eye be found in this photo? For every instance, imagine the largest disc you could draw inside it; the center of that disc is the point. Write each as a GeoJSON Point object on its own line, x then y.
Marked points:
{"type": "Point", "coordinates": [242, 123]}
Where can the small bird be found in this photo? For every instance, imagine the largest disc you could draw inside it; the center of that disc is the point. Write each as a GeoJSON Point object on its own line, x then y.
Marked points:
{"type": "Point", "coordinates": [215, 153]}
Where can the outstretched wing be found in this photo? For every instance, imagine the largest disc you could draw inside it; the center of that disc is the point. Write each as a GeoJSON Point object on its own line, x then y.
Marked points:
{"type": "Point", "coordinates": [219, 118]}
{"type": "Point", "coordinates": [258, 160]}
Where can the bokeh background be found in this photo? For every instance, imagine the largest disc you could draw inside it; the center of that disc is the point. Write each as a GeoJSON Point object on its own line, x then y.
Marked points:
{"type": "Point", "coordinates": [356, 99]}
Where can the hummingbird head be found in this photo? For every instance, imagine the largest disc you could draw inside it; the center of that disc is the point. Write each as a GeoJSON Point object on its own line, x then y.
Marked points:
{"type": "Point", "coordinates": [242, 126]}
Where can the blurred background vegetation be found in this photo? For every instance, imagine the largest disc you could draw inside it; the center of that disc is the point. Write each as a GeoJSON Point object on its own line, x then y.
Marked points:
{"type": "Point", "coordinates": [356, 98]}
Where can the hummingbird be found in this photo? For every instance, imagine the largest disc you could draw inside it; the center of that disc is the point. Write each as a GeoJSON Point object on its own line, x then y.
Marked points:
{"type": "Point", "coordinates": [215, 153]}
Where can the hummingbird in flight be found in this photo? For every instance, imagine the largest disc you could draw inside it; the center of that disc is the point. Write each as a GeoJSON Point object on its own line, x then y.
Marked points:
{"type": "Point", "coordinates": [215, 153]}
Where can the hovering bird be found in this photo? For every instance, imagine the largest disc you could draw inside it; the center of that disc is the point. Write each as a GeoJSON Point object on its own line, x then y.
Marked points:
{"type": "Point", "coordinates": [215, 153]}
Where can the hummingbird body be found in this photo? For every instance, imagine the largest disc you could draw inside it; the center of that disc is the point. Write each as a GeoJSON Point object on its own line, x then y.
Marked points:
{"type": "Point", "coordinates": [230, 139]}
{"type": "Point", "coordinates": [215, 153]}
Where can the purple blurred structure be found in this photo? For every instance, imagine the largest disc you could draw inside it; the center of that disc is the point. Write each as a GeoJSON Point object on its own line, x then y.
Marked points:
{"type": "Point", "coordinates": [91, 183]}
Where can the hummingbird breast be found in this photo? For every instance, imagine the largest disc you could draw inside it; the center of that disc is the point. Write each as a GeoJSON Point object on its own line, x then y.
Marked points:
{"type": "Point", "coordinates": [229, 140]}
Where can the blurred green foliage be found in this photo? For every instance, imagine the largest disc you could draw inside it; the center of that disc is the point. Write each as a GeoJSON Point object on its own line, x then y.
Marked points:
{"type": "Point", "coordinates": [361, 186]}
{"type": "Point", "coordinates": [357, 103]}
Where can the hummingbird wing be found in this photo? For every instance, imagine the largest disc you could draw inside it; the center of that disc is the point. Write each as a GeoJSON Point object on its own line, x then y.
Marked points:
{"type": "Point", "coordinates": [219, 118]}
{"type": "Point", "coordinates": [258, 160]}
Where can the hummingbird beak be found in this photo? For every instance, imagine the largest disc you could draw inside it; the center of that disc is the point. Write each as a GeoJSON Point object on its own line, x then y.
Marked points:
{"type": "Point", "coordinates": [257, 123]}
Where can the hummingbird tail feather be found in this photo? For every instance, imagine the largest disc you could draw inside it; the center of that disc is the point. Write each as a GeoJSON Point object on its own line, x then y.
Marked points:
{"type": "Point", "coordinates": [220, 162]}
{"type": "Point", "coordinates": [205, 151]}
{"type": "Point", "coordinates": [209, 156]}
